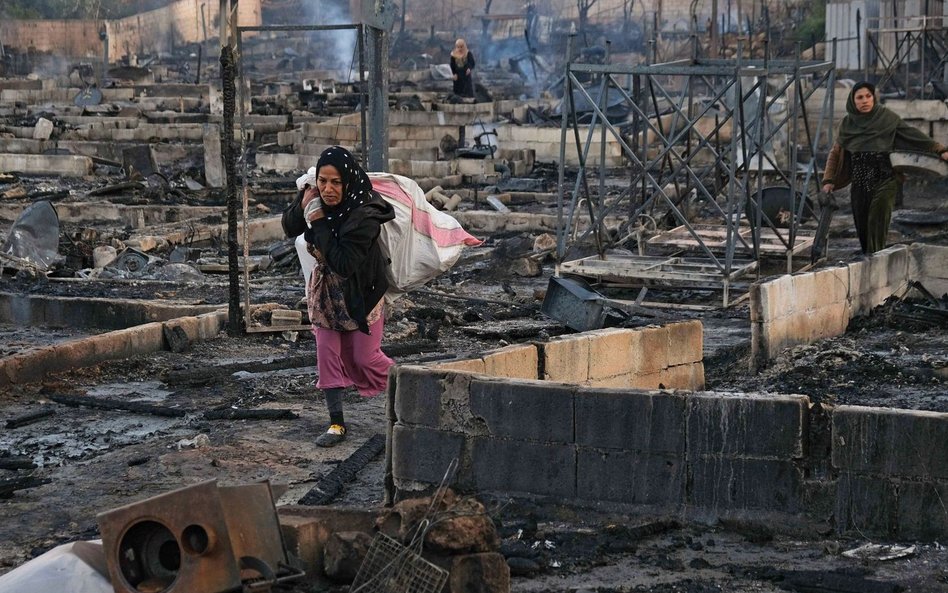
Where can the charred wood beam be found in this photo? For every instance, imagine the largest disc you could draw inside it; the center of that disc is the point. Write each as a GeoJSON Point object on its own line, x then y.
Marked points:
{"type": "Point", "coordinates": [205, 375]}
{"type": "Point", "coordinates": [29, 418]}
{"type": "Point", "coordinates": [331, 485]}
{"type": "Point", "coordinates": [11, 485]}
{"type": "Point", "coordinates": [104, 403]}
{"type": "Point", "coordinates": [16, 463]}
{"type": "Point", "coordinates": [250, 414]}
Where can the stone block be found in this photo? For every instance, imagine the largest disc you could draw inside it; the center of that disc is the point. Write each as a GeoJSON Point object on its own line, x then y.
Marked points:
{"type": "Point", "coordinates": [890, 442]}
{"type": "Point", "coordinates": [526, 410]}
{"type": "Point", "coordinates": [61, 165]}
{"type": "Point", "coordinates": [685, 342]}
{"type": "Point", "coordinates": [306, 530]}
{"type": "Point", "coordinates": [214, 173]}
{"type": "Point", "coordinates": [683, 376]}
{"type": "Point", "coordinates": [422, 454]}
{"type": "Point", "coordinates": [632, 421]}
{"type": "Point", "coordinates": [566, 359]}
{"type": "Point", "coordinates": [771, 426]}
{"type": "Point", "coordinates": [897, 265]}
{"type": "Point", "coordinates": [609, 353]}
{"type": "Point", "coordinates": [630, 477]}
{"type": "Point", "coordinates": [43, 129]}
{"type": "Point", "coordinates": [519, 466]}
{"type": "Point", "coordinates": [720, 484]}
{"type": "Point", "coordinates": [479, 573]}
{"type": "Point", "coordinates": [616, 382]}
{"type": "Point", "coordinates": [650, 381]}
{"type": "Point", "coordinates": [776, 298]}
{"type": "Point", "coordinates": [866, 505]}
{"type": "Point", "coordinates": [652, 353]}
{"type": "Point", "coordinates": [344, 553]}
{"type": "Point", "coordinates": [515, 362]}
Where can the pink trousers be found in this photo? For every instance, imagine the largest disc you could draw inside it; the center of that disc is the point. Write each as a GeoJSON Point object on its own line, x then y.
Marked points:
{"type": "Point", "coordinates": [352, 358]}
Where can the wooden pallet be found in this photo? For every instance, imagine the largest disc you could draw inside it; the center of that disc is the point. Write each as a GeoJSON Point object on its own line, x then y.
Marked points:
{"type": "Point", "coordinates": [664, 272]}
{"type": "Point", "coordinates": [714, 238]}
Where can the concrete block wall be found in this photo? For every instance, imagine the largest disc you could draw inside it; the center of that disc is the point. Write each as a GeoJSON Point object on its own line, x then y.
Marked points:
{"type": "Point", "coordinates": [893, 471]}
{"type": "Point", "coordinates": [700, 455]}
{"type": "Point", "coordinates": [156, 30]}
{"type": "Point", "coordinates": [802, 308]}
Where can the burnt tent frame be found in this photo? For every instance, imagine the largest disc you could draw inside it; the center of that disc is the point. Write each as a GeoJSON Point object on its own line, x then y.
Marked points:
{"type": "Point", "coordinates": [911, 55]}
{"type": "Point", "coordinates": [741, 95]}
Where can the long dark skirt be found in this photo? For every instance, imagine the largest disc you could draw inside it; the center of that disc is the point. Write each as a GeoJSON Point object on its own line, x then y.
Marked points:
{"type": "Point", "coordinates": [872, 212]}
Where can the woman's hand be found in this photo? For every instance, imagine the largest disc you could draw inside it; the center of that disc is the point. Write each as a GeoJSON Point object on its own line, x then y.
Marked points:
{"type": "Point", "coordinates": [468, 71]}
{"type": "Point", "coordinates": [454, 76]}
{"type": "Point", "coordinates": [827, 188]}
{"type": "Point", "coordinates": [944, 156]}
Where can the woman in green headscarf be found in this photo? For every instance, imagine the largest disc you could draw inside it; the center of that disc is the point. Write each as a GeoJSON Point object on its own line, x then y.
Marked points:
{"type": "Point", "coordinates": [867, 134]}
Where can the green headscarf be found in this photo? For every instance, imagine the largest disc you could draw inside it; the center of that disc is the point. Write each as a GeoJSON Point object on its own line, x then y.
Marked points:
{"type": "Point", "coordinates": [880, 130]}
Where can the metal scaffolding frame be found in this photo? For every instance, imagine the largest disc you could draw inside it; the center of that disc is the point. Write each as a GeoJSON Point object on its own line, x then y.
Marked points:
{"type": "Point", "coordinates": [916, 63]}
{"type": "Point", "coordinates": [738, 95]}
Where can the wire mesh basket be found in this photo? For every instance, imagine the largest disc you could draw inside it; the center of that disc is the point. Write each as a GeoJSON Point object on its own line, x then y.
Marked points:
{"type": "Point", "coordinates": [390, 567]}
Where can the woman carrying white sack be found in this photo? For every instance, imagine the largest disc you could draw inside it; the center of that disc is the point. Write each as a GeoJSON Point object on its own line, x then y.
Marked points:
{"type": "Point", "coordinates": [340, 216]}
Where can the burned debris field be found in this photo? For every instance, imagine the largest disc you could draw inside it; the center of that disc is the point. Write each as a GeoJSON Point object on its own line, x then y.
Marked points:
{"type": "Point", "coordinates": [668, 367]}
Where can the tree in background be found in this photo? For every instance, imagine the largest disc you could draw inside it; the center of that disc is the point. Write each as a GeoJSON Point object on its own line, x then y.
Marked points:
{"type": "Point", "coordinates": [76, 9]}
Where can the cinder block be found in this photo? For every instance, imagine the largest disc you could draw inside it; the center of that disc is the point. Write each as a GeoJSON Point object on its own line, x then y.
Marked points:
{"type": "Point", "coordinates": [770, 426]}
{"type": "Point", "coordinates": [681, 376]}
{"type": "Point", "coordinates": [423, 454]}
{"type": "Point", "coordinates": [566, 359]}
{"type": "Point", "coordinates": [630, 477]}
{"type": "Point", "coordinates": [831, 320]}
{"type": "Point", "coordinates": [866, 506]}
{"type": "Point", "coordinates": [731, 484]}
{"type": "Point", "coordinates": [897, 266]}
{"type": "Point", "coordinates": [526, 410]}
{"type": "Point", "coordinates": [418, 395]}
{"type": "Point", "coordinates": [519, 466]}
{"type": "Point", "coordinates": [804, 291]}
{"type": "Point", "coordinates": [885, 441]}
{"type": "Point", "coordinates": [469, 365]}
{"type": "Point", "coordinates": [652, 354]}
{"type": "Point", "coordinates": [609, 353]}
{"type": "Point", "coordinates": [634, 421]}
{"type": "Point", "coordinates": [649, 381]}
{"type": "Point", "coordinates": [616, 382]}
{"type": "Point", "coordinates": [685, 342]}
{"type": "Point", "coordinates": [921, 510]}
{"type": "Point", "coordinates": [515, 362]}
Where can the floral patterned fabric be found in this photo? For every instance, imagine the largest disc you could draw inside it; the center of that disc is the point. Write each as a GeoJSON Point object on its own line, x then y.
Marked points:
{"type": "Point", "coordinates": [325, 300]}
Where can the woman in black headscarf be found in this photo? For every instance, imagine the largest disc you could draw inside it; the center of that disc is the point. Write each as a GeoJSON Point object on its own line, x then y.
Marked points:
{"type": "Point", "coordinates": [341, 217]}
{"type": "Point", "coordinates": [867, 134]}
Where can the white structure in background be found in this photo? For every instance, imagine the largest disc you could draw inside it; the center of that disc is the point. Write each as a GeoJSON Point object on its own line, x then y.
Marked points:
{"type": "Point", "coordinates": [885, 36]}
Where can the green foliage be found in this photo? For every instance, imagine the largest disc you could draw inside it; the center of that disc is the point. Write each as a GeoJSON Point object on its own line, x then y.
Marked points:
{"type": "Point", "coordinates": [813, 28]}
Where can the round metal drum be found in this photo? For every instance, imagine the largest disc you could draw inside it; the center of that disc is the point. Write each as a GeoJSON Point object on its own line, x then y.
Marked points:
{"type": "Point", "coordinates": [926, 163]}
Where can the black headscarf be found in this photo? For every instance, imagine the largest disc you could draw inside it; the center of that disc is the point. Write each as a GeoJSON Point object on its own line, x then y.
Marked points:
{"type": "Point", "coordinates": [880, 130]}
{"type": "Point", "coordinates": [356, 185]}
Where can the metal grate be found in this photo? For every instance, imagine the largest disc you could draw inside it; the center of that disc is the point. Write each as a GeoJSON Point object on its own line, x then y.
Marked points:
{"type": "Point", "coordinates": [390, 567]}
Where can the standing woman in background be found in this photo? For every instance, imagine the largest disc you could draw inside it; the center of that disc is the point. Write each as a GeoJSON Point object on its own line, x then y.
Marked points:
{"type": "Point", "coordinates": [462, 64]}
{"type": "Point", "coordinates": [341, 216]}
{"type": "Point", "coordinates": [867, 134]}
